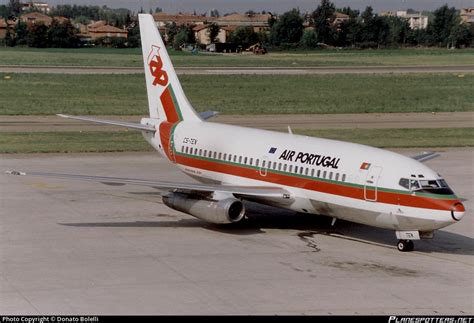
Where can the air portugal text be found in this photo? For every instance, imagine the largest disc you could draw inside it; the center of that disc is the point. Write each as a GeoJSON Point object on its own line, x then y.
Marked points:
{"type": "Point", "coordinates": [310, 159]}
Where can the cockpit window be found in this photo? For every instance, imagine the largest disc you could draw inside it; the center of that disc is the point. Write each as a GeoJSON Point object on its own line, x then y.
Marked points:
{"type": "Point", "coordinates": [414, 185]}
{"type": "Point", "coordinates": [404, 183]}
{"type": "Point", "coordinates": [427, 186]}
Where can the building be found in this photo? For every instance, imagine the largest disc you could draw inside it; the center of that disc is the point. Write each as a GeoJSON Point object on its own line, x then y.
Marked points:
{"type": "Point", "coordinates": [3, 28]}
{"type": "Point", "coordinates": [202, 35]}
{"type": "Point", "coordinates": [340, 18]}
{"type": "Point", "coordinates": [106, 31]}
{"type": "Point", "coordinates": [162, 19]}
{"type": "Point", "coordinates": [259, 22]}
{"type": "Point", "coordinates": [415, 20]}
{"type": "Point", "coordinates": [467, 15]}
{"type": "Point", "coordinates": [38, 6]}
{"type": "Point", "coordinates": [35, 18]}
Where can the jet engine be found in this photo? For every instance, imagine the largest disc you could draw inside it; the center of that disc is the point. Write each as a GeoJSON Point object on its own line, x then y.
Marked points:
{"type": "Point", "coordinates": [228, 210]}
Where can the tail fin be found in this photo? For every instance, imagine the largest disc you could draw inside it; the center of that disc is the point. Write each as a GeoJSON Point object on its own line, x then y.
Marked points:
{"type": "Point", "coordinates": [166, 99]}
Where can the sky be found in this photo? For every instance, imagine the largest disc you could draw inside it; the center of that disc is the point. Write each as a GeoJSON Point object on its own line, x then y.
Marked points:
{"type": "Point", "coordinates": [276, 6]}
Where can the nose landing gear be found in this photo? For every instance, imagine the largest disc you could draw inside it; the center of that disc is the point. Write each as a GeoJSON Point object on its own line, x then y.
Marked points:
{"type": "Point", "coordinates": [405, 245]}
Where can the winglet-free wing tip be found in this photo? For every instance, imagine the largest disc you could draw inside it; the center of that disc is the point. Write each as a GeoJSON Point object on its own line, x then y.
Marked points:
{"type": "Point", "coordinates": [15, 172]}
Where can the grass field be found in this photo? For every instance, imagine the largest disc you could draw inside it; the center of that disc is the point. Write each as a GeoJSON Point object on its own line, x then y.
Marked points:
{"type": "Point", "coordinates": [132, 58]}
{"type": "Point", "coordinates": [45, 94]}
{"type": "Point", "coordinates": [73, 142]}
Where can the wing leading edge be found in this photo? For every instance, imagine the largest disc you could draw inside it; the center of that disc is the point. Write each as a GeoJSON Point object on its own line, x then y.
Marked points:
{"type": "Point", "coordinates": [270, 192]}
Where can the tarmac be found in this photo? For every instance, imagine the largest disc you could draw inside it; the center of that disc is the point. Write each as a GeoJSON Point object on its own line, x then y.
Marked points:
{"type": "Point", "coordinates": [241, 70]}
{"type": "Point", "coordinates": [71, 247]}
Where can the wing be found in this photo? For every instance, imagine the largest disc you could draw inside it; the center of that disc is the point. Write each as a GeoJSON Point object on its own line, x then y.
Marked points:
{"type": "Point", "coordinates": [427, 155]}
{"type": "Point", "coordinates": [273, 193]}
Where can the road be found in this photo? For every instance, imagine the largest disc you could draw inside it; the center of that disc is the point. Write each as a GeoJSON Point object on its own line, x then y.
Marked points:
{"type": "Point", "coordinates": [79, 247]}
{"type": "Point", "coordinates": [274, 122]}
{"type": "Point", "coordinates": [243, 70]}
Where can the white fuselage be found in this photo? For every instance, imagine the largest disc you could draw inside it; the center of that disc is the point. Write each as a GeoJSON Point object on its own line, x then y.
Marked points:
{"type": "Point", "coordinates": [343, 180]}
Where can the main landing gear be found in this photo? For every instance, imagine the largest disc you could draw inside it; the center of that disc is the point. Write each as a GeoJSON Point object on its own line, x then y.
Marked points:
{"type": "Point", "coordinates": [405, 245]}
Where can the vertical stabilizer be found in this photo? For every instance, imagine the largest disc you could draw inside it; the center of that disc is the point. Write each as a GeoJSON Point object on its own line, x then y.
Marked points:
{"type": "Point", "coordinates": [166, 99]}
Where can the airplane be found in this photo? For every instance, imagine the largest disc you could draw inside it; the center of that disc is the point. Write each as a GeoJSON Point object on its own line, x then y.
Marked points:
{"type": "Point", "coordinates": [234, 164]}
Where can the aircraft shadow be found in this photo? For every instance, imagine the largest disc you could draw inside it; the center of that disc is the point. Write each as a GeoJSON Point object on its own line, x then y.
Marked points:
{"type": "Point", "coordinates": [260, 217]}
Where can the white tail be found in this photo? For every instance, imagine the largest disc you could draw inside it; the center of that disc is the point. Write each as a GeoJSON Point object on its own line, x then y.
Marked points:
{"type": "Point", "coordinates": [166, 99]}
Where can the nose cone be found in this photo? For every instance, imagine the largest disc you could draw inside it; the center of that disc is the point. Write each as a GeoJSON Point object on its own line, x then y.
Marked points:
{"type": "Point", "coordinates": [457, 211]}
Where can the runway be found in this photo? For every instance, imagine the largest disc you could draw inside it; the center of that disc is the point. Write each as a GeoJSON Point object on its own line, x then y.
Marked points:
{"type": "Point", "coordinates": [242, 70]}
{"type": "Point", "coordinates": [271, 122]}
{"type": "Point", "coordinates": [79, 247]}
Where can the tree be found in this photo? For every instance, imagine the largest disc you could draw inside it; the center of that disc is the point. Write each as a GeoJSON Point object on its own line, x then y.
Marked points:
{"type": "Point", "coordinates": [9, 39]}
{"type": "Point", "coordinates": [212, 32]}
{"type": "Point", "coordinates": [62, 35]}
{"type": "Point", "coordinates": [288, 29]}
{"type": "Point", "coordinates": [14, 8]}
{"type": "Point", "coordinates": [134, 39]}
{"type": "Point", "coordinates": [244, 35]}
{"type": "Point", "coordinates": [214, 13]}
{"type": "Point", "coordinates": [184, 36]}
{"type": "Point", "coordinates": [21, 33]}
{"type": "Point", "coordinates": [37, 35]}
{"type": "Point", "coordinates": [158, 9]}
{"type": "Point", "coordinates": [323, 17]}
{"type": "Point", "coordinates": [443, 29]}
{"type": "Point", "coordinates": [309, 39]}
{"type": "Point", "coordinates": [171, 29]}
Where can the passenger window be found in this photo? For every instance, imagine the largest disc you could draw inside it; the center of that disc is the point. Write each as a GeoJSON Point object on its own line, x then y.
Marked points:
{"type": "Point", "coordinates": [205, 152]}
{"type": "Point", "coordinates": [245, 160]}
{"type": "Point", "coordinates": [235, 158]}
{"type": "Point", "coordinates": [337, 176]}
{"type": "Point", "coordinates": [240, 159]}
{"type": "Point", "coordinates": [312, 172]}
{"type": "Point", "coordinates": [274, 165]}
{"type": "Point", "coordinates": [319, 173]}
{"type": "Point", "coordinates": [279, 166]}
{"type": "Point", "coordinates": [290, 168]}
{"type": "Point", "coordinates": [182, 149]}
{"type": "Point", "coordinates": [195, 151]}
{"type": "Point", "coordinates": [330, 175]}
{"type": "Point", "coordinates": [215, 155]}
{"type": "Point", "coordinates": [220, 155]}
{"type": "Point", "coordinates": [257, 161]}
{"type": "Point", "coordinates": [306, 171]}
{"type": "Point", "coordinates": [324, 174]}
{"type": "Point", "coordinates": [343, 177]}
{"type": "Point", "coordinates": [186, 149]}
{"type": "Point", "coordinates": [200, 152]}
{"type": "Point", "coordinates": [225, 157]}
{"type": "Point", "coordinates": [251, 161]}
{"type": "Point", "coordinates": [230, 157]}
{"type": "Point", "coordinates": [284, 167]}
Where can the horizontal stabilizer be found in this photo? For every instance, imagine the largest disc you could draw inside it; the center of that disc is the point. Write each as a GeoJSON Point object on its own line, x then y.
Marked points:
{"type": "Point", "coordinates": [208, 114]}
{"type": "Point", "coordinates": [425, 156]}
{"type": "Point", "coordinates": [125, 124]}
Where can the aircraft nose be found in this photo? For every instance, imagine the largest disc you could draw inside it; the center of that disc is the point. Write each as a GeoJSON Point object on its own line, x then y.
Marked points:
{"type": "Point", "coordinates": [457, 211]}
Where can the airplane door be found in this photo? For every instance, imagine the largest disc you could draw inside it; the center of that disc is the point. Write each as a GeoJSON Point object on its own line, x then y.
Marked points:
{"type": "Point", "coordinates": [264, 166]}
{"type": "Point", "coordinates": [371, 183]}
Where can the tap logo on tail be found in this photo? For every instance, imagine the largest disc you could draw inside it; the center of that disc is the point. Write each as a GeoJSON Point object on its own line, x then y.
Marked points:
{"type": "Point", "coordinates": [156, 64]}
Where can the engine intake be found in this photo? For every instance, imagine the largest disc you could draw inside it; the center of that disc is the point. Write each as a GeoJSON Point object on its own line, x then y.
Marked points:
{"type": "Point", "coordinates": [229, 210]}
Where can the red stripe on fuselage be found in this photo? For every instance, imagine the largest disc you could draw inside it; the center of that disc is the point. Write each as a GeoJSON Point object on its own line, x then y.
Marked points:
{"type": "Point", "coordinates": [165, 135]}
{"type": "Point", "coordinates": [318, 186]}
{"type": "Point", "coordinates": [168, 105]}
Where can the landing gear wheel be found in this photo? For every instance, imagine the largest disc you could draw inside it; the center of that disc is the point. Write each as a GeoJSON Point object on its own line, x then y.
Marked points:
{"type": "Point", "coordinates": [405, 245]}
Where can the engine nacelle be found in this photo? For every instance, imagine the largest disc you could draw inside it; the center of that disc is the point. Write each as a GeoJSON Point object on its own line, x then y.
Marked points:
{"type": "Point", "coordinates": [229, 210]}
